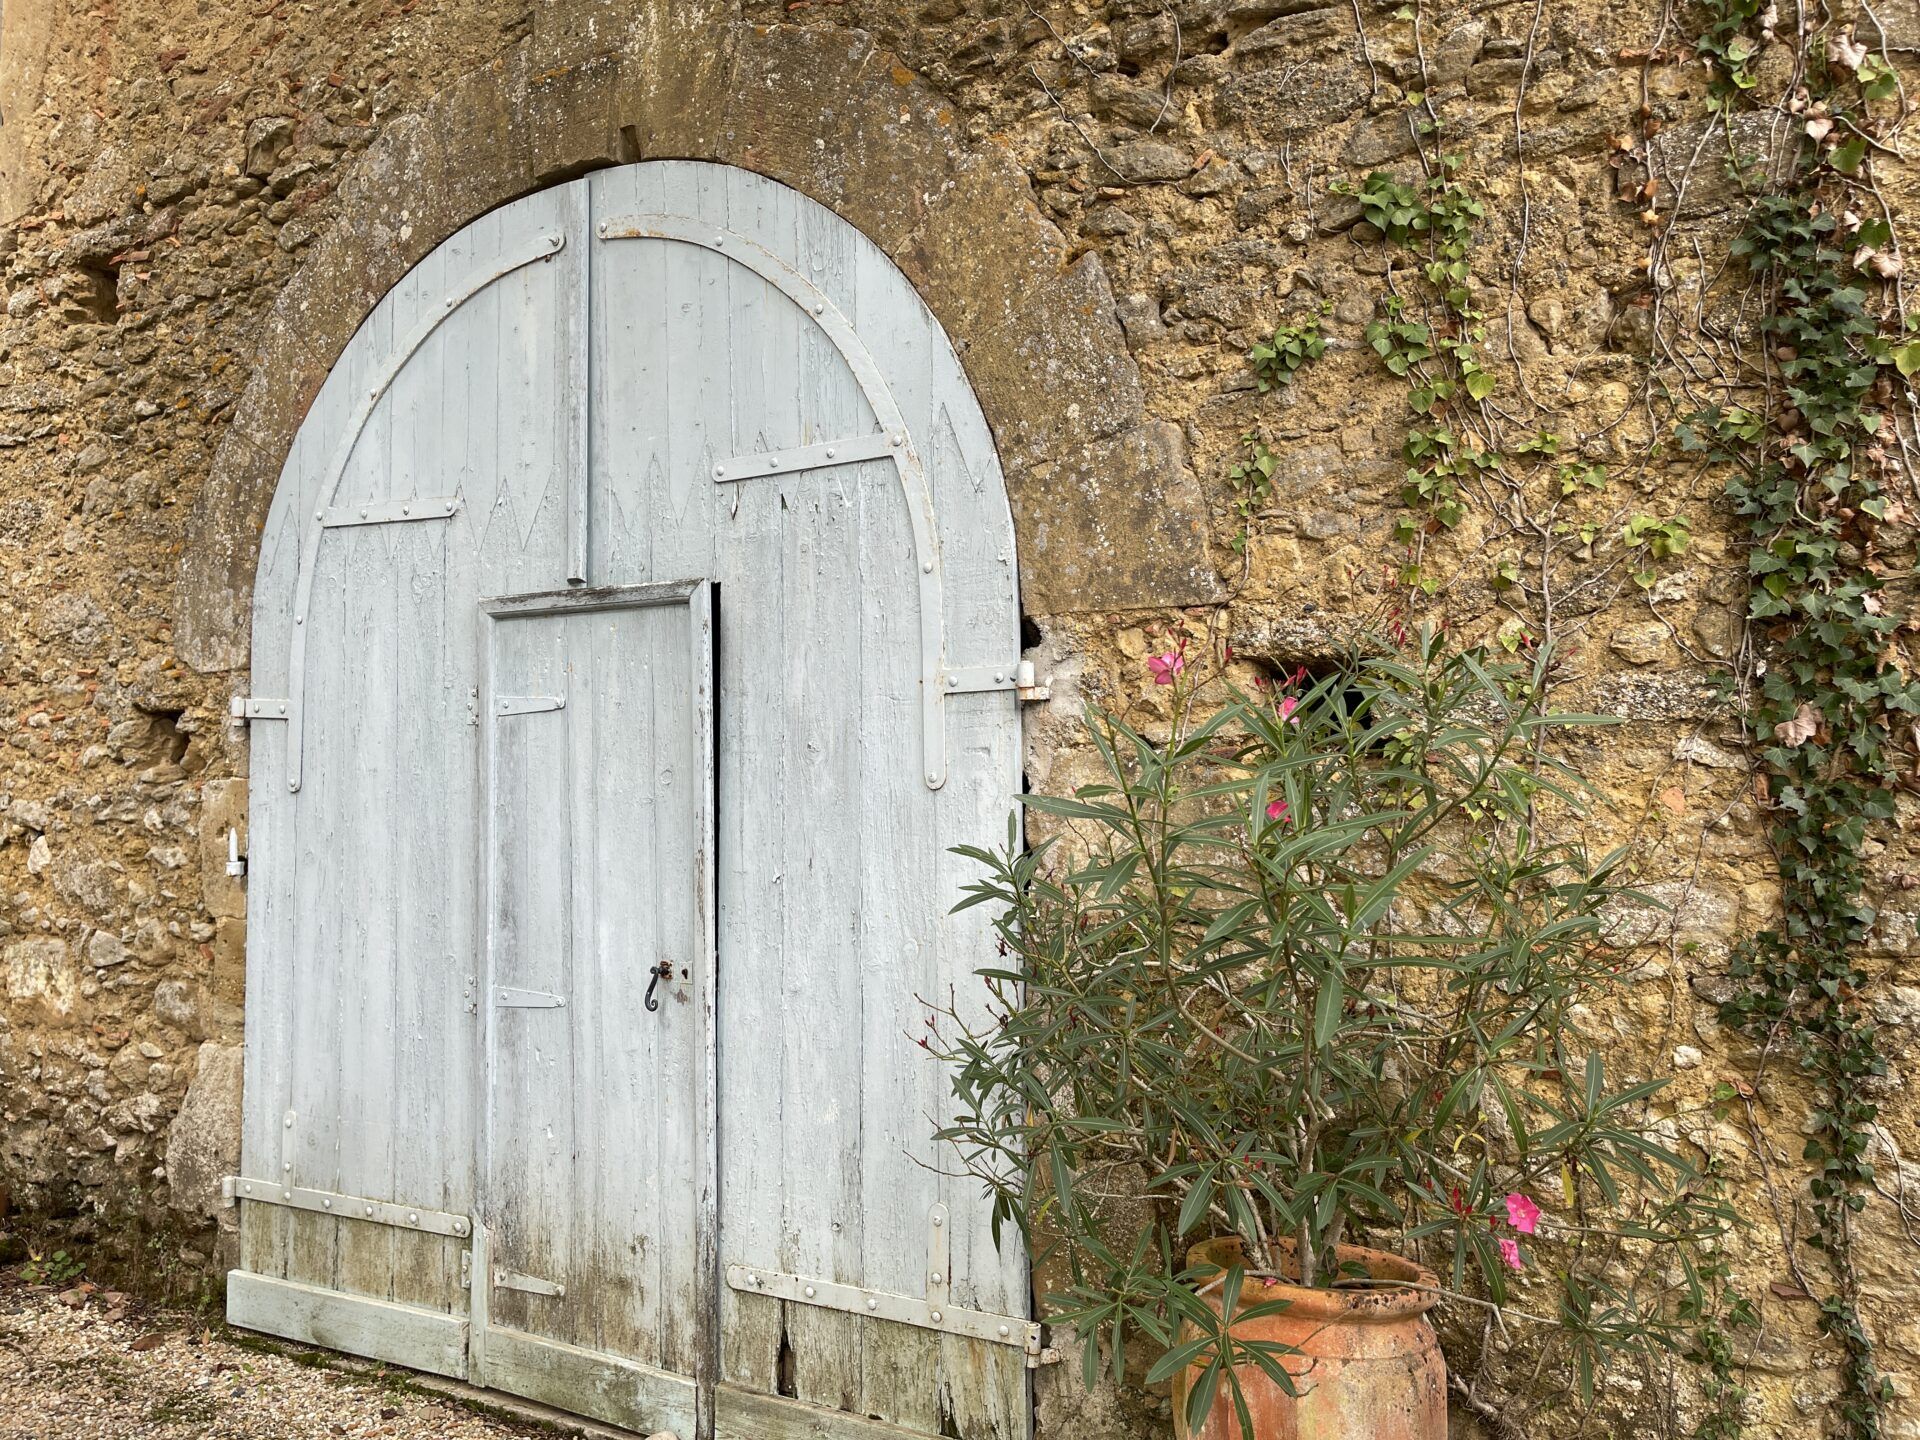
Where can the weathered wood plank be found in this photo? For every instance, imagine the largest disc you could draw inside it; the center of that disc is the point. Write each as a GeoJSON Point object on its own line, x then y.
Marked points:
{"type": "Point", "coordinates": [531, 1145]}
{"type": "Point", "coordinates": [633, 776]}
{"type": "Point", "coordinates": [409, 1335]}
{"type": "Point", "coordinates": [982, 1393]}
{"type": "Point", "coordinates": [639, 1397]}
{"type": "Point", "coordinates": [756, 889]}
{"type": "Point", "coordinates": [703, 637]}
{"type": "Point", "coordinates": [366, 960]}
{"type": "Point", "coordinates": [743, 1414]}
{"type": "Point", "coordinates": [899, 908]}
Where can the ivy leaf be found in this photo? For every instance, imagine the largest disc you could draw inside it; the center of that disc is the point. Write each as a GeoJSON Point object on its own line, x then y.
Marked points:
{"type": "Point", "coordinates": [1480, 384]}
{"type": "Point", "coordinates": [1906, 358]}
{"type": "Point", "coordinates": [1848, 157]}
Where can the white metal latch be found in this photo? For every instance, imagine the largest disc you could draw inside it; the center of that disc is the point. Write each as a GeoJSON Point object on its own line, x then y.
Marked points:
{"type": "Point", "coordinates": [236, 862]}
{"type": "Point", "coordinates": [526, 1284]}
{"type": "Point", "coordinates": [529, 999]}
{"type": "Point", "coordinates": [528, 704]}
{"type": "Point", "coordinates": [252, 707]}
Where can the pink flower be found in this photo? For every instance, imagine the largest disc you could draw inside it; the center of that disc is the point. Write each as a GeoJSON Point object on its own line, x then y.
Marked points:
{"type": "Point", "coordinates": [1510, 1252]}
{"type": "Point", "coordinates": [1522, 1214]}
{"type": "Point", "coordinates": [1287, 707]}
{"type": "Point", "coordinates": [1166, 667]}
{"type": "Point", "coordinates": [1276, 810]}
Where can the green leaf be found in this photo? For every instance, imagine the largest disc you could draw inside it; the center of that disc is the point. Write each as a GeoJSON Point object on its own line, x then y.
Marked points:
{"type": "Point", "coordinates": [1329, 1005]}
{"type": "Point", "coordinates": [1193, 1209]}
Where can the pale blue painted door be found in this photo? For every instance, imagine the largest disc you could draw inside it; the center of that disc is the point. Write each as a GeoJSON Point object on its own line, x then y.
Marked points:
{"type": "Point", "coordinates": [664, 396]}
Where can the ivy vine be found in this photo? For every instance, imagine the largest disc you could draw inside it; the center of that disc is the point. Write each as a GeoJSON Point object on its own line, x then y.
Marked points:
{"type": "Point", "coordinates": [1278, 358]}
{"type": "Point", "coordinates": [1813, 452]}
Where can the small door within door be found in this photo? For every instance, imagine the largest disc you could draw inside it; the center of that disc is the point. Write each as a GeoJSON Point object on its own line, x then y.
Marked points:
{"type": "Point", "coordinates": [587, 1291]}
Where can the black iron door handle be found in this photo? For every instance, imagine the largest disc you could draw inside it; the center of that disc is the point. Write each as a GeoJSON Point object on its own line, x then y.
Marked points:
{"type": "Point", "coordinates": [662, 971]}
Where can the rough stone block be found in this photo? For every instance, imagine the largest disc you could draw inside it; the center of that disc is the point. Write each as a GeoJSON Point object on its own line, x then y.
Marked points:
{"type": "Point", "coordinates": [41, 976]}
{"type": "Point", "coordinates": [676, 75]}
{"type": "Point", "coordinates": [1289, 101]}
{"type": "Point", "coordinates": [229, 963]}
{"type": "Point", "coordinates": [105, 189]}
{"type": "Point", "coordinates": [1692, 159]}
{"type": "Point", "coordinates": [267, 139]}
{"type": "Point", "coordinates": [183, 1005]}
{"type": "Point", "coordinates": [1033, 325]}
{"type": "Point", "coordinates": [1454, 55]}
{"type": "Point", "coordinates": [571, 126]}
{"type": "Point", "coordinates": [1382, 138]}
{"type": "Point", "coordinates": [1116, 524]}
{"type": "Point", "coordinates": [846, 124]}
{"type": "Point", "coordinates": [1147, 161]}
{"type": "Point", "coordinates": [1114, 97]}
{"type": "Point", "coordinates": [203, 1143]}
{"type": "Point", "coordinates": [1290, 34]}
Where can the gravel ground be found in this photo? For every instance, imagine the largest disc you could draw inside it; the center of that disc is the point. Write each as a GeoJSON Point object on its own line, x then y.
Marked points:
{"type": "Point", "coordinates": [87, 1364]}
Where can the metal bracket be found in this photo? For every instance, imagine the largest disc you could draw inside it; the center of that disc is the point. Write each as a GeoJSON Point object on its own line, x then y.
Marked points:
{"type": "Point", "coordinates": [235, 1188]}
{"type": "Point", "coordinates": [249, 707]}
{"type": "Point", "coordinates": [528, 704]}
{"type": "Point", "coordinates": [529, 1000]}
{"type": "Point", "coordinates": [809, 457]}
{"type": "Point", "coordinates": [391, 512]}
{"type": "Point", "coordinates": [934, 1312]}
{"type": "Point", "coordinates": [1019, 677]}
{"type": "Point", "coordinates": [527, 1284]}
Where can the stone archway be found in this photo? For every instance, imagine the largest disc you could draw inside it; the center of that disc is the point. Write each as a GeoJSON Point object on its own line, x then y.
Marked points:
{"type": "Point", "coordinates": [1108, 514]}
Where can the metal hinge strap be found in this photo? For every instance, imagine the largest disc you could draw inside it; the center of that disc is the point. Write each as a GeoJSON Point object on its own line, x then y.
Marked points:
{"type": "Point", "coordinates": [235, 1188]}
{"type": "Point", "coordinates": [1018, 677]}
{"type": "Point", "coordinates": [808, 457]}
{"type": "Point", "coordinates": [901, 1309]}
{"type": "Point", "coordinates": [391, 512]}
{"type": "Point", "coordinates": [513, 999]}
{"type": "Point", "coordinates": [932, 1313]}
{"type": "Point", "coordinates": [252, 707]}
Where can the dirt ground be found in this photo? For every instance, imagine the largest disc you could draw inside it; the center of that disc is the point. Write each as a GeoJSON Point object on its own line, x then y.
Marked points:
{"type": "Point", "coordinates": [89, 1364]}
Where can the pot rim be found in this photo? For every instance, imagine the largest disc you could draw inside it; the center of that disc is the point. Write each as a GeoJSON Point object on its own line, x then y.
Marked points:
{"type": "Point", "coordinates": [1411, 1292]}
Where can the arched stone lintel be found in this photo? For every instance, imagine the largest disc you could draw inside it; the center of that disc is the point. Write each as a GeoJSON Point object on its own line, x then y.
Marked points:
{"type": "Point", "coordinates": [1107, 512]}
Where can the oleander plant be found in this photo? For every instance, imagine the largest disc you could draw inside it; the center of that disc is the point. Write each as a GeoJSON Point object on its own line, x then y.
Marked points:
{"type": "Point", "coordinates": [1305, 968]}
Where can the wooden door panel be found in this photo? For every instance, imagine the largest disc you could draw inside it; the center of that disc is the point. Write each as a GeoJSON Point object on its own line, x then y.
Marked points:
{"type": "Point", "coordinates": [600, 784]}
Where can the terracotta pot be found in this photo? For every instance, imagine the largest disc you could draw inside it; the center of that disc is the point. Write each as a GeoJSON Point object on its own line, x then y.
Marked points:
{"type": "Point", "coordinates": [1370, 1367]}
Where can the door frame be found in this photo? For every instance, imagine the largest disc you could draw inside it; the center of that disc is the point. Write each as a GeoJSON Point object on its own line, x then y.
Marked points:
{"type": "Point", "coordinates": [701, 599]}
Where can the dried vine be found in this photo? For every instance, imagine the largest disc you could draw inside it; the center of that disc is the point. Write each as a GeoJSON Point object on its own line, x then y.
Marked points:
{"type": "Point", "coordinates": [1583, 549]}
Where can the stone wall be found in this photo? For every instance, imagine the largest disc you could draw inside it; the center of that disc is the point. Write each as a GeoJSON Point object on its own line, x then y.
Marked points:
{"type": "Point", "coordinates": [1106, 204]}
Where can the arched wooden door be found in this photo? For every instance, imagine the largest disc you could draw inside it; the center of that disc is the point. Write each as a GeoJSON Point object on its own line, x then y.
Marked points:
{"type": "Point", "coordinates": [634, 635]}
